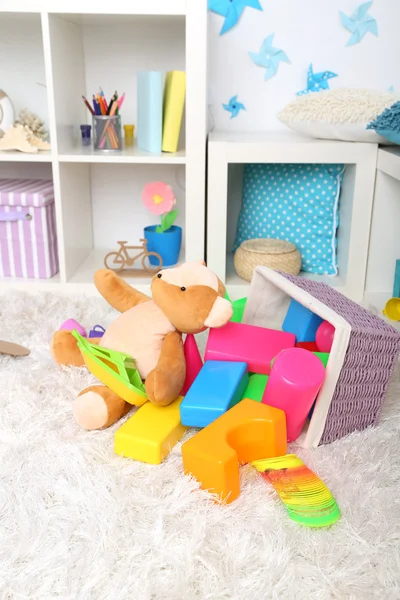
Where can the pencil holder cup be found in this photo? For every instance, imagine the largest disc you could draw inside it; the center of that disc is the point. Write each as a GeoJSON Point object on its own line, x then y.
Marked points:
{"type": "Point", "coordinates": [107, 133]}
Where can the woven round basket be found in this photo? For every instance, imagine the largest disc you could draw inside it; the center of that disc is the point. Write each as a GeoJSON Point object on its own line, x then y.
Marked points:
{"type": "Point", "coordinates": [275, 254]}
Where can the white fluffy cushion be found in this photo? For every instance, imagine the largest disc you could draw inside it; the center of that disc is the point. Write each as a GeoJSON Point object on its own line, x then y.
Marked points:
{"type": "Point", "coordinates": [341, 114]}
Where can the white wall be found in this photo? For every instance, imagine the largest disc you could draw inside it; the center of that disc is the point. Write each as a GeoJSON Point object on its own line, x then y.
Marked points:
{"type": "Point", "coordinates": [308, 31]}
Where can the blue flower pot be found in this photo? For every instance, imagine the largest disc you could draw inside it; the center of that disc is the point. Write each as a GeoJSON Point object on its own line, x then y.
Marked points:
{"type": "Point", "coordinates": [167, 244]}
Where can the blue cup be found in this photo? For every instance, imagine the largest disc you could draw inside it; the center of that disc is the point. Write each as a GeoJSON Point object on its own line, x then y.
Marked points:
{"type": "Point", "coordinates": [167, 244]}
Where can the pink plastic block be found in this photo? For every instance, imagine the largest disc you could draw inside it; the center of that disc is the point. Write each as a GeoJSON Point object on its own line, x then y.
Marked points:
{"type": "Point", "coordinates": [256, 346]}
{"type": "Point", "coordinates": [71, 324]}
{"type": "Point", "coordinates": [295, 380]}
{"type": "Point", "coordinates": [325, 335]}
{"type": "Point", "coordinates": [194, 363]}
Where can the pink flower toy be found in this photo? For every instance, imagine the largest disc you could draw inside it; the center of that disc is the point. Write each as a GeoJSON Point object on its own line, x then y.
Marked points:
{"type": "Point", "coordinates": [164, 239]}
{"type": "Point", "coordinates": [159, 199]}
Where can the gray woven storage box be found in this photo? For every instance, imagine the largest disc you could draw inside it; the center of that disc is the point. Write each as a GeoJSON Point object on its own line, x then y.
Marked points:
{"type": "Point", "coordinates": [363, 358]}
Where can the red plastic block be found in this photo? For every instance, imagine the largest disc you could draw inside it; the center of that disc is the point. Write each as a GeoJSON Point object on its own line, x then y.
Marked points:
{"type": "Point", "coordinates": [194, 364]}
{"type": "Point", "coordinates": [311, 346]}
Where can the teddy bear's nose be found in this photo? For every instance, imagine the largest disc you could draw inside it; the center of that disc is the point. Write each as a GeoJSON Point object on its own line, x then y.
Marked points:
{"type": "Point", "coordinates": [183, 289]}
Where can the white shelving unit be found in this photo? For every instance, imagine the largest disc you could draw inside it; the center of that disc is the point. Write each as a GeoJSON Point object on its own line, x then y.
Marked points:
{"type": "Point", "coordinates": [78, 46]}
{"type": "Point", "coordinates": [227, 153]}
{"type": "Point", "coordinates": [385, 231]}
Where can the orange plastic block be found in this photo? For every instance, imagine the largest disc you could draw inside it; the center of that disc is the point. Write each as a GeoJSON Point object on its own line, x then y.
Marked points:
{"type": "Point", "coordinates": [247, 432]}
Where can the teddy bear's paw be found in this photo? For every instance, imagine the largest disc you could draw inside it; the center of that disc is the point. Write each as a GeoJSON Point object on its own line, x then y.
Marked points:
{"type": "Point", "coordinates": [64, 349]}
{"type": "Point", "coordinates": [90, 409]}
{"type": "Point", "coordinates": [98, 407]}
{"type": "Point", "coordinates": [161, 389]}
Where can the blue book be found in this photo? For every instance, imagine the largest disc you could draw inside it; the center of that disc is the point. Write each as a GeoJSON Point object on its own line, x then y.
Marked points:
{"type": "Point", "coordinates": [150, 110]}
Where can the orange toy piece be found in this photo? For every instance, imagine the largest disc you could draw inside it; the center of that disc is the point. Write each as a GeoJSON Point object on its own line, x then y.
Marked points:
{"type": "Point", "coordinates": [246, 431]}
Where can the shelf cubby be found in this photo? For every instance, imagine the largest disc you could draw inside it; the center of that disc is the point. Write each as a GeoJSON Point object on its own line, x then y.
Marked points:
{"type": "Point", "coordinates": [88, 51]}
{"type": "Point", "coordinates": [227, 155]}
{"type": "Point", "coordinates": [23, 64]}
{"type": "Point", "coordinates": [102, 205]}
{"type": "Point", "coordinates": [385, 239]}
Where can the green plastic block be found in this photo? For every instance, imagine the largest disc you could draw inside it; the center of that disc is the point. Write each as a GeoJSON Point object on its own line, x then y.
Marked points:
{"type": "Point", "coordinates": [256, 387]}
{"type": "Point", "coordinates": [323, 357]}
{"type": "Point", "coordinates": [238, 310]}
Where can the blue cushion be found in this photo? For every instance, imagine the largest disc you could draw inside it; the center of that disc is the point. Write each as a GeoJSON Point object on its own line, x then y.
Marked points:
{"type": "Point", "coordinates": [387, 124]}
{"type": "Point", "coordinates": [297, 203]}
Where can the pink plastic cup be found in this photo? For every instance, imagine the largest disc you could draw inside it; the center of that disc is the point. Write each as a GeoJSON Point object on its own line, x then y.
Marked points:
{"type": "Point", "coordinates": [296, 378]}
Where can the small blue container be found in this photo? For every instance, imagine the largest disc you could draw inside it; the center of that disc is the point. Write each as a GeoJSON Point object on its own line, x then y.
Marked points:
{"type": "Point", "coordinates": [167, 244]}
{"type": "Point", "coordinates": [86, 135]}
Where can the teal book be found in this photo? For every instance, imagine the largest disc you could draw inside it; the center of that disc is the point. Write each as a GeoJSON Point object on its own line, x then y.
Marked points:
{"type": "Point", "coordinates": [150, 110]}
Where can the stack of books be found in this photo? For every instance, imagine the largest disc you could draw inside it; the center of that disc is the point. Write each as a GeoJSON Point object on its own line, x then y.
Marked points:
{"type": "Point", "coordinates": [160, 110]}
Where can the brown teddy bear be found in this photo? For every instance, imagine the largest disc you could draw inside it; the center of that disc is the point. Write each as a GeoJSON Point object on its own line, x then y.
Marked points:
{"type": "Point", "coordinates": [185, 299]}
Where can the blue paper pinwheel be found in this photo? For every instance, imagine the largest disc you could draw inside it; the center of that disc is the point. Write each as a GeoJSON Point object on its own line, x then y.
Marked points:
{"type": "Point", "coordinates": [234, 107]}
{"type": "Point", "coordinates": [269, 57]}
{"type": "Point", "coordinates": [317, 81]}
{"type": "Point", "coordinates": [231, 10]}
{"type": "Point", "coordinates": [359, 23]}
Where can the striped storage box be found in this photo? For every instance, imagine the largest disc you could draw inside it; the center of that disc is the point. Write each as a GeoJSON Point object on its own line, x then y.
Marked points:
{"type": "Point", "coordinates": [28, 238]}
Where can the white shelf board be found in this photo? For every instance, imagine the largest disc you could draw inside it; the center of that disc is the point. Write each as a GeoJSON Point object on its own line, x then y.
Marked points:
{"type": "Point", "coordinates": [15, 156]}
{"type": "Point", "coordinates": [127, 155]}
{"type": "Point", "coordinates": [128, 7]}
{"type": "Point", "coordinates": [30, 284]}
{"type": "Point", "coordinates": [239, 288]}
{"type": "Point", "coordinates": [95, 261]}
{"type": "Point", "coordinates": [389, 161]}
{"type": "Point", "coordinates": [286, 147]}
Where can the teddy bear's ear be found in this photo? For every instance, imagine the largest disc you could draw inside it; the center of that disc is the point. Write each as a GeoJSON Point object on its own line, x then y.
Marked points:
{"type": "Point", "coordinates": [221, 312]}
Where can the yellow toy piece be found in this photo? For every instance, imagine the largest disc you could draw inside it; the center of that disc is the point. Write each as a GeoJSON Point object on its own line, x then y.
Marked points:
{"type": "Point", "coordinates": [151, 433]}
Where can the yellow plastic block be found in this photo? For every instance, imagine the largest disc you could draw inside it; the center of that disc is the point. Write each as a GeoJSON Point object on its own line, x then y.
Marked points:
{"type": "Point", "coordinates": [249, 431]}
{"type": "Point", "coordinates": [151, 433]}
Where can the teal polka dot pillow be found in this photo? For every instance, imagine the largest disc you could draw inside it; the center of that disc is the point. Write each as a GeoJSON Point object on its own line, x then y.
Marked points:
{"type": "Point", "coordinates": [297, 203]}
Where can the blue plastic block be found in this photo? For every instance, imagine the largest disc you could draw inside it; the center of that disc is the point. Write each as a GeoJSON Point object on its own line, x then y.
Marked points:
{"type": "Point", "coordinates": [218, 387]}
{"type": "Point", "coordinates": [302, 322]}
{"type": "Point", "coordinates": [396, 287]}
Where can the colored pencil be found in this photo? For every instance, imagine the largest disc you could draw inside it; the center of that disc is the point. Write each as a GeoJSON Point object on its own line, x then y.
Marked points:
{"type": "Point", "coordinates": [110, 105]}
{"type": "Point", "coordinates": [116, 97]}
{"type": "Point", "coordinates": [87, 104]}
{"type": "Point", "coordinates": [120, 101]}
{"type": "Point", "coordinates": [101, 105]}
{"type": "Point", "coordinates": [103, 99]}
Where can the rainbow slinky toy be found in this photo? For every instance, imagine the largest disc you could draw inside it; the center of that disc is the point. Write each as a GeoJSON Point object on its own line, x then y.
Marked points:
{"type": "Point", "coordinates": [306, 498]}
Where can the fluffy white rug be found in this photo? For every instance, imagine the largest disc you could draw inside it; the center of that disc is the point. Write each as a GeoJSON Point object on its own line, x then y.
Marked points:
{"type": "Point", "coordinates": [77, 522]}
